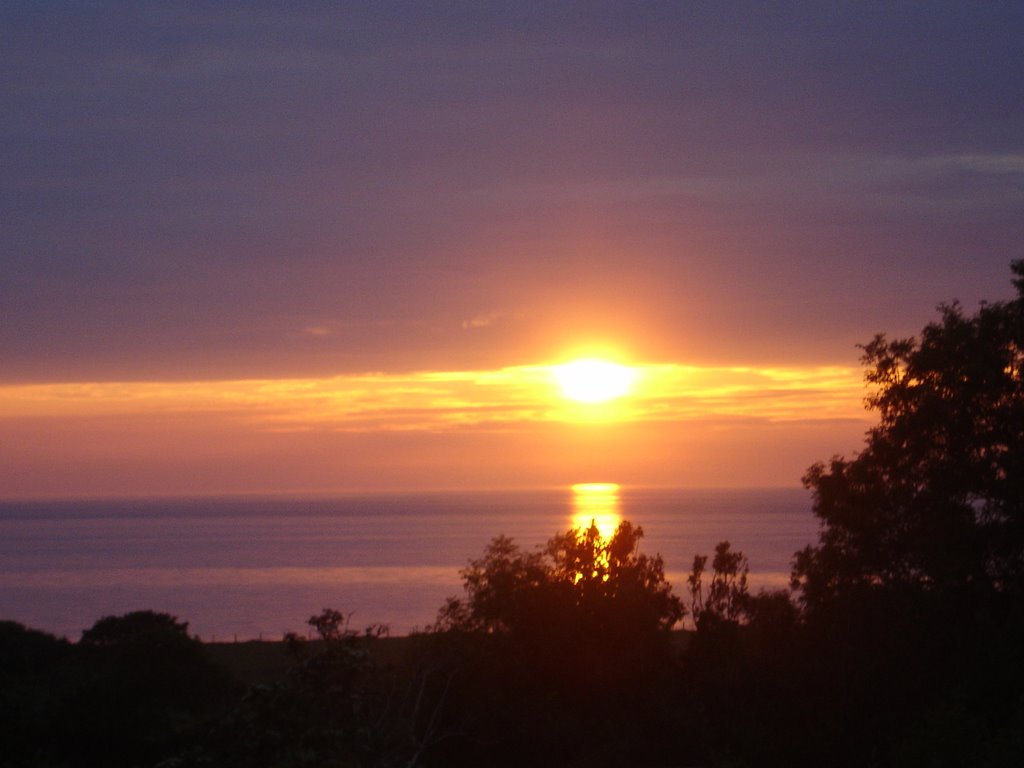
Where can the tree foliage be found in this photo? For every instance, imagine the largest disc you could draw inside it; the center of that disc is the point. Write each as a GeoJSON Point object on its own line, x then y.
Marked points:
{"type": "Point", "coordinates": [727, 595]}
{"type": "Point", "coordinates": [580, 582]}
{"type": "Point", "coordinates": [137, 687]}
{"type": "Point", "coordinates": [935, 500]}
{"type": "Point", "coordinates": [335, 707]}
{"type": "Point", "coordinates": [33, 680]}
{"type": "Point", "coordinates": [560, 654]}
{"type": "Point", "coordinates": [146, 630]}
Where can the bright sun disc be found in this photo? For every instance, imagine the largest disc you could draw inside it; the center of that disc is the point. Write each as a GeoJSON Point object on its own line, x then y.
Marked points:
{"type": "Point", "coordinates": [594, 381]}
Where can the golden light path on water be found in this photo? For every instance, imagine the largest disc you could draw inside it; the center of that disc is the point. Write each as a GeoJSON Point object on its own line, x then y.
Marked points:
{"type": "Point", "coordinates": [596, 503]}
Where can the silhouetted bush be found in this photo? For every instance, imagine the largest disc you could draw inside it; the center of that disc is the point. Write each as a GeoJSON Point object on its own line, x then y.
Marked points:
{"type": "Point", "coordinates": [571, 639]}
{"type": "Point", "coordinates": [143, 689]}
{"type": "Point", "coordinates": [34, 667]}
{"type": "Point", "coordinates": [335, 707]}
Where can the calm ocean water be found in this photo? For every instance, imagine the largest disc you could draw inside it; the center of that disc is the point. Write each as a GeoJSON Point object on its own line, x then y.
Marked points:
{"type": "Point", "coordinates": [262, 566]}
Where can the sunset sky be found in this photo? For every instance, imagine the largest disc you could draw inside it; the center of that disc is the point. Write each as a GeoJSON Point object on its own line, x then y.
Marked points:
{"type": "Point", "coordinates": [246, 249]}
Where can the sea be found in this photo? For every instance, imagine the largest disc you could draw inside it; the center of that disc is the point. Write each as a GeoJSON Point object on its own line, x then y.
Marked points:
{"type": "Point", "coordinates": [238, 568]}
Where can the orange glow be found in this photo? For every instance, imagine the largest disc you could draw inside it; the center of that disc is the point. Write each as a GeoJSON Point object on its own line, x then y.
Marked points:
{"type": "Point", "coordinates": [508, 427]}
{"type": "Point", "coordinates": [453, 400]}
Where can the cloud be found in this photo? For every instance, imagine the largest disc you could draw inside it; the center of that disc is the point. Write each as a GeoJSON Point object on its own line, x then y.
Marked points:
{"type": "Point", "coordinates": [445, 401]}
{"type": "Point", "coordinates": [991, 164]}
{"type": "Point", "coordinates": [504, 427]}
{"type": "Point", "coordinates": [488, 319]}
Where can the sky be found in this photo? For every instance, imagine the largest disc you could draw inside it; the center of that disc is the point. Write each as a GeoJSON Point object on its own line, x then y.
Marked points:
{"type": "Point", "coordinates": [251, 248]}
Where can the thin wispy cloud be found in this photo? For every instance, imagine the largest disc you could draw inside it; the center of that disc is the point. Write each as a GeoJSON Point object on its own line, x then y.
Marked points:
{"type": "Point", "coordinates": [446, 401]}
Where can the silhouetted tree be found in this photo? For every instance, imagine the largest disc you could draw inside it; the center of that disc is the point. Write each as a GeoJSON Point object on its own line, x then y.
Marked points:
{"type": "Point", "coordinates": [912, 595]}
{"type": "Point", "coordinates": [335, 707]}
{"type": "Point", "coordinates": [572, 638]}
{"type": "Point", "coordinates": [727, 594]}
{"type": "Point", "coordinates": [140, 631]}
{"type": "Point", "coordinates": [580, 582]}
{"type": "Point", "coordinates": [498, 589]}
{"type": "Point", "coordinates": [34, 672]}
{"type": "Point", "coordinates": [935, 500]}
{"type": "Point", "coordinates": [739, 681]}
{"type": "Point", "coordinates": [143, 689]}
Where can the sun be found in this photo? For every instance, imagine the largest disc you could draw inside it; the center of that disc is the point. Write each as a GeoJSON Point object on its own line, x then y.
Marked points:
{"type": "Point", "coordinates": [594, 381]}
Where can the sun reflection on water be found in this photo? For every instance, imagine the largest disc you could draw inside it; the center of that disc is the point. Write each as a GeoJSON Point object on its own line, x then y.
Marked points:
{"type": "Point", "coordinates": [597, 503]}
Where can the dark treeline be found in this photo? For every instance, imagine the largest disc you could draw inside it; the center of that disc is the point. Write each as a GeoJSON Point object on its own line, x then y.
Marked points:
{"type": "Point", "coordinates": [900, 642]}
